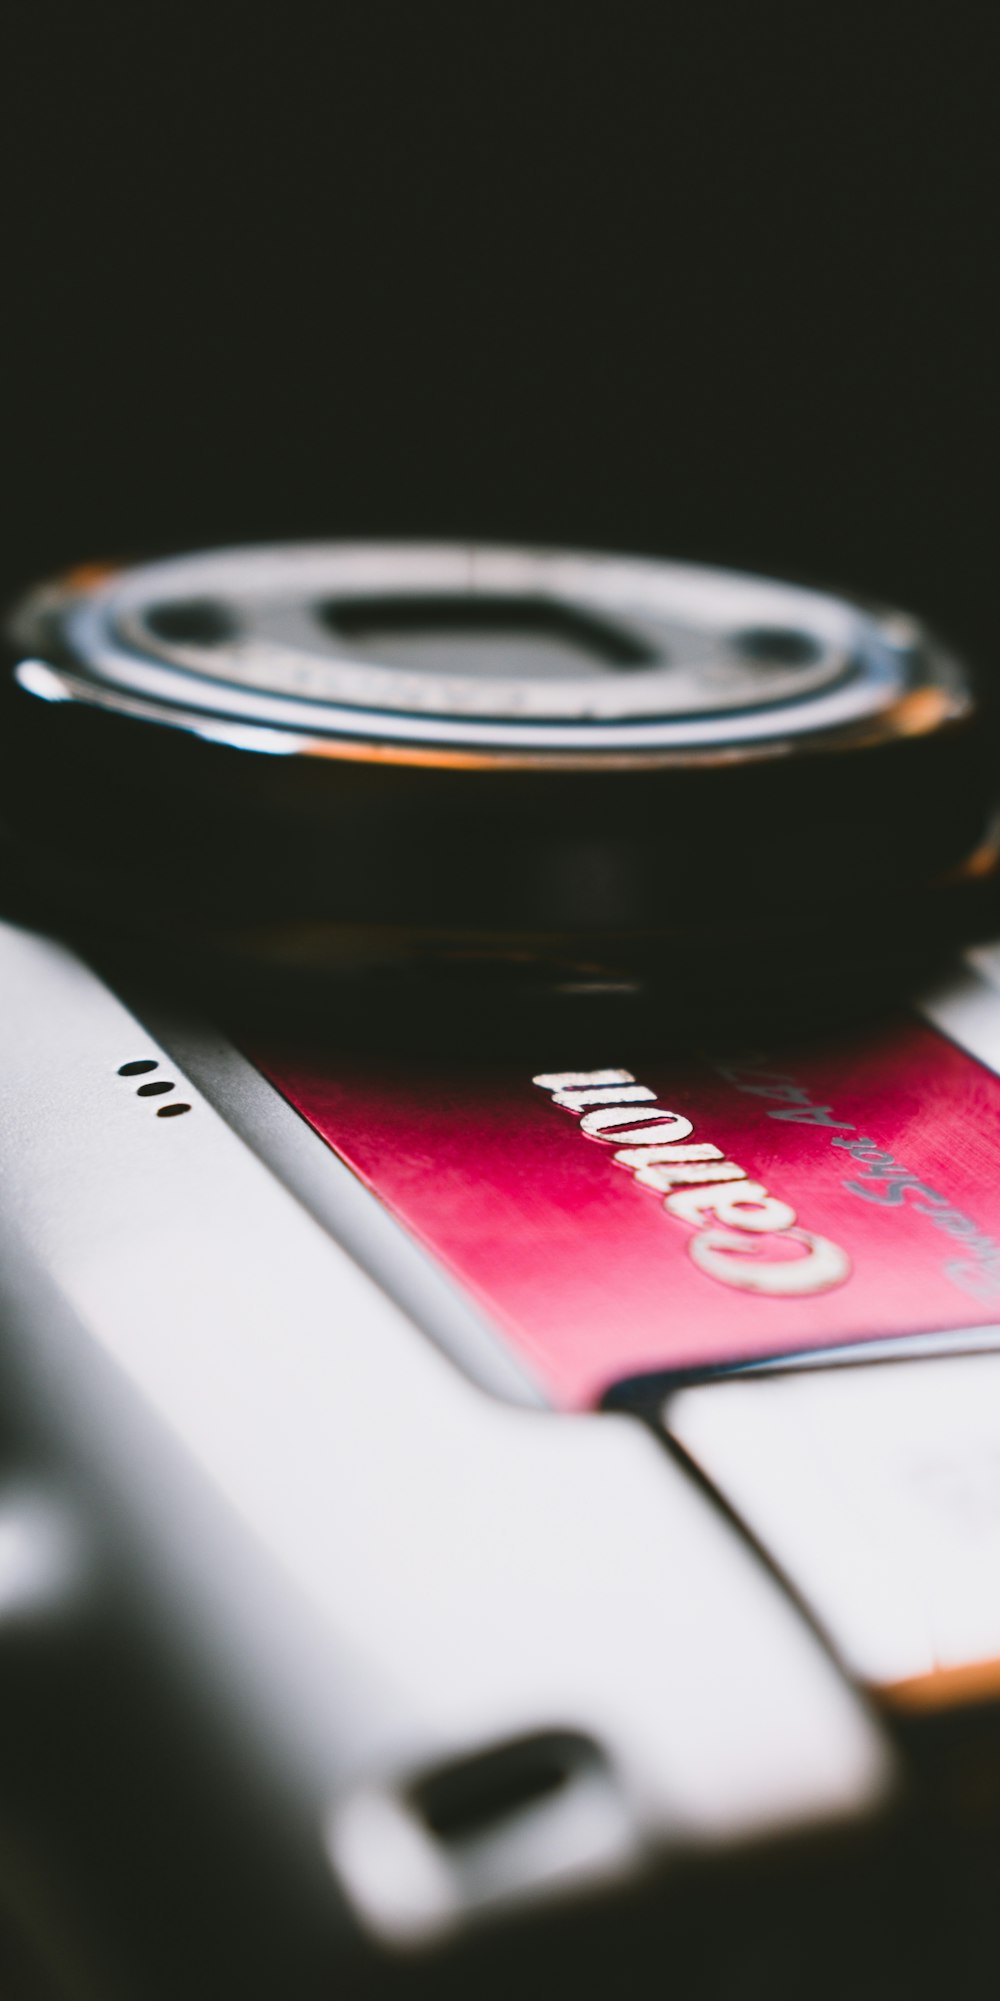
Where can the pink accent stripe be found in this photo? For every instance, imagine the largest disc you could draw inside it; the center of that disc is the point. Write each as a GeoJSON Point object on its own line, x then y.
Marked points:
{"type": "Point", "coordinates": [582, 1268]}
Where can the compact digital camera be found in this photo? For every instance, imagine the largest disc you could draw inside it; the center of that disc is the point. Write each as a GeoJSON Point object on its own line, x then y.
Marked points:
{"type": "Point", "coordinates": [500, 1062]}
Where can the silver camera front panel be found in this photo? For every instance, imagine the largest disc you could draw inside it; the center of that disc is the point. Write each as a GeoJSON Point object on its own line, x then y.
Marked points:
{"type": "Point", "coordinates": [418, 1577]}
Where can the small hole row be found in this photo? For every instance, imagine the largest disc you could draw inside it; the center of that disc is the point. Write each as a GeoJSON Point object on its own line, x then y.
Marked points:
{"type": "Point", "coordinates": [156, 1088]}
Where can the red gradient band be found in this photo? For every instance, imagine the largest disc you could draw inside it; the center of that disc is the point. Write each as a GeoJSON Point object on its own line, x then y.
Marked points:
{"type": "Point", "coordinates": [884, 1144]}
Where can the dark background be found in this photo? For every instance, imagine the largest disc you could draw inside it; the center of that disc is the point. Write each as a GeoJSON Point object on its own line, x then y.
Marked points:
{"type": "Point", "coordinates": [713, 281]}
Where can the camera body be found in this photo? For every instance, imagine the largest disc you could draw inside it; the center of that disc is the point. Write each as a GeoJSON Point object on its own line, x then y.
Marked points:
{"type": "Point", "coordinates": [498, 1453]}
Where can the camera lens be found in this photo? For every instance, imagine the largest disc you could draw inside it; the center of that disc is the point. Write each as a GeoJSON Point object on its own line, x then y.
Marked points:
{"type": "Point", "coordinates": [336, 756]}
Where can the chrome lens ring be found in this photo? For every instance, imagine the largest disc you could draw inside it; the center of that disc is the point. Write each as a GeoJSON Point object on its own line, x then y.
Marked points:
{"type": "Point", "coordinates": [495, 652]}
{"type": "Point", "coordinates": [334, 752]}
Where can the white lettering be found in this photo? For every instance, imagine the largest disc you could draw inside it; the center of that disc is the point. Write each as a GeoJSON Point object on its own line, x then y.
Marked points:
{"type": "Point", "coordinates": [665, 1178]}
{"type": "Point", "coordinates": [571, 1080]}
{"type": "Point", "coordinates": [747, 1208]}
{"type": "Point", "coordinates": [696, 1182]}
{"type": "Point", "coordinates": [611, 1094]}
{"type": "Point", "coordinates": [637, 1157]}
{"type": "Point", "coordinates": [672, 1126]}
{"type": "Point", "coordinates": [728, 1255]}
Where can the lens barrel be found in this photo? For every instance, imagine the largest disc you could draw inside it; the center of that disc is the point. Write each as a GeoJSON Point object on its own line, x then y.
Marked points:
{"type": "Point", "coordinates": [322, 759]}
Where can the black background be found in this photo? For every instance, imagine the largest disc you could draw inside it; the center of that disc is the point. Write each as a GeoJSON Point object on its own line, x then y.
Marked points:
{"type": "Point", "coordinates": [715, 282]}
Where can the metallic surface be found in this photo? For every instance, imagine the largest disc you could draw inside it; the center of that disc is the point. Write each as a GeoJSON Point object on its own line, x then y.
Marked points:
{"type": "Point", "coordinates": [705, 685]}
{"type": "Point", "coordinates": [256, 1110]}
{"type": "Point", "coordinates": [876, 1491]}
{"type": "Point", "coordinates": [379, 1570]}
{"type": "Point", "coordinates": [873, 1479]}
{"type": "Point", "coordinates": [327, 763]}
